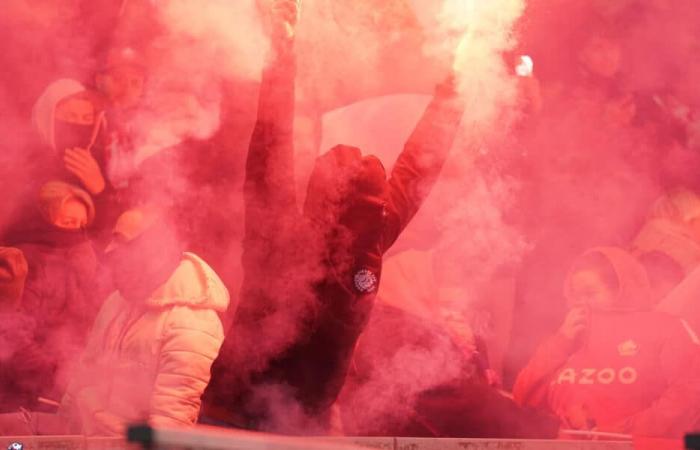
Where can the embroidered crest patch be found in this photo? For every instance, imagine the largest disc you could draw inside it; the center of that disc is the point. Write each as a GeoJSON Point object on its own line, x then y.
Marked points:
{"type": "Point", "coordinates": [365, 281]}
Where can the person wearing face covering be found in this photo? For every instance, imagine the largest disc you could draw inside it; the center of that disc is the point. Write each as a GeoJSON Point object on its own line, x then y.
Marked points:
{"type": "Point", "coordinates": [615, 365]}
{"type": "Point", "coordinates": [150, 349]}
{"type": "Point", "coordinates": [311, 276]}
{"type": "Point", "coordinates": [59, 294]}
{"type": "Point", "coordinates": [70, 122]}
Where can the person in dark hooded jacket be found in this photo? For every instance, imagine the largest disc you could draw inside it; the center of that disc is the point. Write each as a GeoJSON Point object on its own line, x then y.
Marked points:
{"type": "Point", "coordinates": [615, 365]}
{"type": "Point", "coordinates": [60, 293]}
{"type": "Point", "coordinates": [17, 379]}
{"type": "Point", "coordinates": [75, 147]}
{"type": "Point", "coordinates": [311, 278]}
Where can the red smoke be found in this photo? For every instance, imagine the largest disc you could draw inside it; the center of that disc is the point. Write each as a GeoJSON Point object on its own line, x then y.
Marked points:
{"type": "Point", "coordinates": [545, 167]}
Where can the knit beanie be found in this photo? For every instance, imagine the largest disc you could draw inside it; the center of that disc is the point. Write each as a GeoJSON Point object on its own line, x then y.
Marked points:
{"type": "Point", "coordinates": [54, 194]}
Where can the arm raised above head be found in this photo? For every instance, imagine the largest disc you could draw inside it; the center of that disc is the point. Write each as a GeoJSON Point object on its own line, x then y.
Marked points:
{"type": "Point", "coordinates": [269, 190]}
{"type": "Point", "coordinates": [424, 154]}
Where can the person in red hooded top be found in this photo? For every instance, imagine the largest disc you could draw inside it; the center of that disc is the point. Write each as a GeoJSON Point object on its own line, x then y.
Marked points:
{"type": "Point", "coordinates": [615, 365]}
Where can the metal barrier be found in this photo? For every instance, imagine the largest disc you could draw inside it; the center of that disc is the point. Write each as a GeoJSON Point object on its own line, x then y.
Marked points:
{"type": "Point", "coordinates": [210, 438]}
{"type": "Point", "coordinates": [65, 443]}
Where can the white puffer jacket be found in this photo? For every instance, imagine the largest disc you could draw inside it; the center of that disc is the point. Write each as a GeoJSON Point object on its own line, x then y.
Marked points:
{"type": "Point", "coordinates": [150, 362]}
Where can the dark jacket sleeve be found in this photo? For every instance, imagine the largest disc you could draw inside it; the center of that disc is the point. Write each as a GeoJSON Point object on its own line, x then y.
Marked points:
{"type": "Point", "coordinates": [270, 217]}
{"type": "Point", "coordinates": [532, 385]}
{"type": "Point", "coordinates": [269, 182]}
{"type": "Point", "coordinates": [109, 204]}
{"type": "Point", "coordinates": [269, 190]}
{"type": "Point", "coordinates": [419, 164]}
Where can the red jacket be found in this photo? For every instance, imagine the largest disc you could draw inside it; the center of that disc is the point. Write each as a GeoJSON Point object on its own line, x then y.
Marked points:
{"type": "Point", "coordinates": [637, 371]}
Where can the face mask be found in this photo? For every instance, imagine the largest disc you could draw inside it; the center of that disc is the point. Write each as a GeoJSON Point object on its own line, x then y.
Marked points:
{"type": "Point", "coordinates": [143, 264]}
{"type": "Point", "coordinates": [37, 230]}
{"type": "Point", "coordinates": [340, 177]}
{"type": "Point", "coordinates": [71, 135]}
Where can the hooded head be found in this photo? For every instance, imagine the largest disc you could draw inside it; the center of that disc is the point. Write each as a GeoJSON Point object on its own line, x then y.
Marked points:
{"type": "Point", "coordinates": [66, 206]}
{"type": "Point", "coordinates": [144, 253]}
{"type": "Point", "coordinates": [673, 228]}
{"type": "Point", "coordinates": [608, 279]}
{"type": "Point", "coordinates": [67, 115]}
{"type": "Point", "coordinates": [339, 179]}
{"type": "Point", "coordinates": [57, 220]}
{"type": "Point", "coordinates": [601, 55]}
{"type": "Point", "coordinates": [679, 206]}
{"type": "Point", "coordinates": [122, 77]}
{"type": "Point", "coordinates": [13, 273]}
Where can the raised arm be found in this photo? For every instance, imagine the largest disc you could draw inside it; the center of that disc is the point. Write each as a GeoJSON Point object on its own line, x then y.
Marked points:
{"type": "Point", "coordinates": [270, 212]}
{"type": "Point", "coordinates": [269, 182]}
{"type": "Point", "coordinates": [419, 164]}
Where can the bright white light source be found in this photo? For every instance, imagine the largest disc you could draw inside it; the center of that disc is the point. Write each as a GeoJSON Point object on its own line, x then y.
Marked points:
{"type": "Point", "coordinates": [524, 67]}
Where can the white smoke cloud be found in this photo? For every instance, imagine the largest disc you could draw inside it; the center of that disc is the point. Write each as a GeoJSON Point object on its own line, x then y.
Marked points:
{"type": "Point", "coordinates": [202, 45]}
{"type": "Point", "coordinates": [474, 34]}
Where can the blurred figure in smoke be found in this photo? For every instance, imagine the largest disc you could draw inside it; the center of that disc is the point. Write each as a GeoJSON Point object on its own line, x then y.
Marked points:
{"type": "Point", "coordinates": [60, 290]}
{"type": "Point", "coordinates": [615, 365]}
{"type": "Point", "coordinates": [664, 274]}
{"type": "Point", "coordinates": [671, 237]}
{"type": "Point", "coordinates": [151, 347]}
{"type": "Point", "coordinates": [13, 273]}
{"type": "Point", "coordinates": [121, 80]}
{"type": "Point", "coordinates": [673, 229]}
{"type": "Point", "coordinates": [310, 279]}
{"type": "Point", "coordinates": [669, 245]}
{"type": "Point", "coordinates": [17, 379]}
{"type": "Point", "coordinates": [414, 377]}
{"type": "Point", "coordinates": [122, 77]}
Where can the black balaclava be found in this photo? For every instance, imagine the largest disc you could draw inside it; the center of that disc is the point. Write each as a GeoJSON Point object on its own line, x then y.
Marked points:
{"type": "Point", "coordinates": [71, 135]}
{"type": "Point", "coordinates": [143, 264]}
{"type": "Point", "coordinates": [347, 202]}
{"type": "Point", "coordinates": [88, 137]}
{"type": "Point", "coordinates": [339, 179]}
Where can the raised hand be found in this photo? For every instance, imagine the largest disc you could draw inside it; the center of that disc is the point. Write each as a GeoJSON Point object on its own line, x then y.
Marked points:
{"type": "Point", "coordinates": [285, 14]}
{"type": "Point", "coordinates": [575, 324]}
{"type": "Point", "coordinates": [83, 165]}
